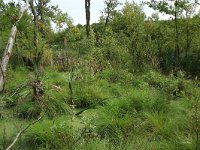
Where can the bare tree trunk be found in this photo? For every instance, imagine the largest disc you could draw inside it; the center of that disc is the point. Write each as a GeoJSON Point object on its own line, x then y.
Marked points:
{"type": "Point", "coordinates": [35, 38]}
{"type": "Point", "coordinates": [35, 24]}
{"type": "Point", "coordinates": [87, 11]}
{"type": "Point", "coordinates": [9, 47]}
{"type": "Point", "coordinates": [188, 38]}
{"type": "Point", "coordinates": [176, 30]}
{"type": "Point", "coordinates": [108, 12]}
{"type": "Point", "coordinates": [107, 18]}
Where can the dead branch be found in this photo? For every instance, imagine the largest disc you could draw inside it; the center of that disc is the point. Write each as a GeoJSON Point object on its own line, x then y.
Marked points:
{"type": "Point", "coordinates": [22, 131]}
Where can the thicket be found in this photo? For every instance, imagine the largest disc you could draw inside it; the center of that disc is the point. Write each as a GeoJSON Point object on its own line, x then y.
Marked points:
{"type": "Point", "coordinates": [123, 87]}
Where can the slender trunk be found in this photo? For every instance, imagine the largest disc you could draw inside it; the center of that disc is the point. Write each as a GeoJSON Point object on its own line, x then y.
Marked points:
{"type": "Point", "coordinates": [177, 36]}
{"type": "Point", "coordinates": [8, 49]}
{"type": "Point", "coordinates": [41, 5]}
{"type": "Point", "coordinates": [187, 37]}
{"type": "Point", "coordinates": [108, 16]}
{"type": "Point", "coordinates": [37, 56]}
{"type": "Point", "coordinates": [176, 30]}
{"type": "Point", "coordinates": [35, 40]}
{"type": "Point", "coordinates": [87, 11]}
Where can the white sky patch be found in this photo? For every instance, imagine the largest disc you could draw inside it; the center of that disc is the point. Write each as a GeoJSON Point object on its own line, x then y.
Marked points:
{"type": "Point", "coordinates": [76, 9]}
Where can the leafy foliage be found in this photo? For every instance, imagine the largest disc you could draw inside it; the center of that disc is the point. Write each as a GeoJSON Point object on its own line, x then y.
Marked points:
{"type": "Point", "coordinates": [123, 86]}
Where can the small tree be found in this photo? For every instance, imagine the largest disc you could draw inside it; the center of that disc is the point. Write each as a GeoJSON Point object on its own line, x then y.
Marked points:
{"type": "Point", "coordinates": [174, 8]}
{"type": "Point", "coordinates": [110, 10]}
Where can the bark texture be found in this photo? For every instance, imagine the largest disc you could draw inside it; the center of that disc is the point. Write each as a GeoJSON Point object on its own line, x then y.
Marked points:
{"type": "Point", "coordinates": [8, 50]}
{"type": "Point", "coordinates": [87, 11]}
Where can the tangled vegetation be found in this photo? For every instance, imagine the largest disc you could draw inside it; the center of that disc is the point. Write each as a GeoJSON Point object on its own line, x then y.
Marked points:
{"type": "Point", "coordinates": [127, 84]}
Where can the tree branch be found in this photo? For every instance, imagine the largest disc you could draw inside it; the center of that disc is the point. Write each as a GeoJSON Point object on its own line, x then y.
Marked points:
{"type": "Point", "coordinates": [22, 131]}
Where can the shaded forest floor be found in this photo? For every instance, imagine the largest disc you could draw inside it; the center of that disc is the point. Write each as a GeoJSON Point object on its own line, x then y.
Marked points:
{"type": "Point", "coordinates": [113, 110]}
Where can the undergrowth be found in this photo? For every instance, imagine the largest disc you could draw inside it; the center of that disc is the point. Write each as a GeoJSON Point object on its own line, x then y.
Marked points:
{"type": "Point", "coordinates": [111, 110]}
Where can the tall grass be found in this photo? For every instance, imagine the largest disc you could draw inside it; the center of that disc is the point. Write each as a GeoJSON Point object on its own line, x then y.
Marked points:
{"type": "Point", "coordinates": [118, 111]}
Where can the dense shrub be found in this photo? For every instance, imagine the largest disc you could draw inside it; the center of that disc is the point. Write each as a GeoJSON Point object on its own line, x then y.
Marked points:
{"type": "Point", "coordinates": [117, 108]}
{"type": "Point", "coordinates": [117, 76]}
{"type": "Point", "coordinates": [28, 110]}
{"type": "Point", "coordinates": [174, 86]}
{"type": "Point", "coordinates": [86, 95]}
{"type": "Point", "coordinates": [54, 107]}
{"type": "Point", "coordinates": [50, 135]}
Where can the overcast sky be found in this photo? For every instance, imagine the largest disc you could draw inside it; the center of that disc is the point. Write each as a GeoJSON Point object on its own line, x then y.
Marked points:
{"type": "Point", "coordinates": [76, 8]}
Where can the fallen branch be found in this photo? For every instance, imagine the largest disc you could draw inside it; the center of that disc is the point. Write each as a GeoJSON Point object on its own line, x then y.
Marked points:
{"type": "Point", "coordinates": [22, 131]}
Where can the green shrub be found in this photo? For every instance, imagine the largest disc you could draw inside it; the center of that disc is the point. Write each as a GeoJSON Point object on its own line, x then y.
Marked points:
{"type": "Point", "coordinates": [17, 96]}
{"type": "Point", "coordinates": [16, 77]}
{"type": "Point", "coordinates": [117, 76]}
{"type": "Point", "coordinates": [86, 95]}
{"type": "Point", "coordinates": [174, 86]}
{"type": "Point", "coordinates": [28, 110]}
{"type": "Point", "coordinates": [50, 135]}
{"type": "Point", "coordinates": [149, 99]}
{"type": "Point", "coordinates": [10, 102]}
{"type": "Point", "coordinates": [40, 135]}
{"type": "Point", "coordinates": [56, 93]}
{"type": "Point", "coordinates": [95, 144]}
{"type": "Point", "coordinates": [54, 106]}
{"type": "Point", "coordinates": [116, 120]}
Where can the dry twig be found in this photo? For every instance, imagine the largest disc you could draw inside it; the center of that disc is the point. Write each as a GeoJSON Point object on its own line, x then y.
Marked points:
{"type": "Point", "coordinates": [22, 131]}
